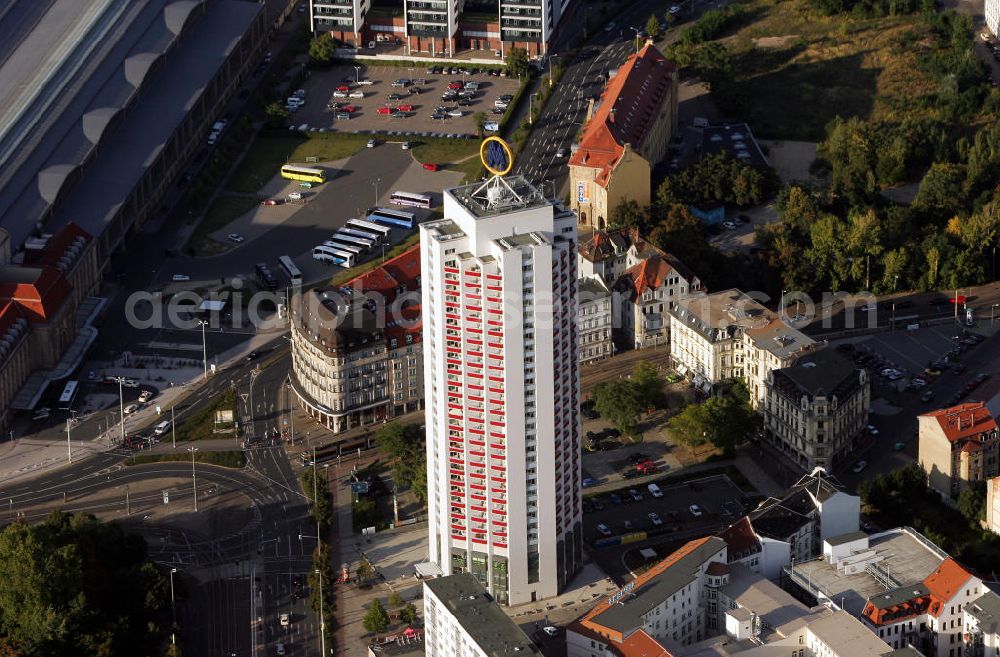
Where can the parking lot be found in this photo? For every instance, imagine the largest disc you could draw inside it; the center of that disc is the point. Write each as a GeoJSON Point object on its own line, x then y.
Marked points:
{"type": "Point", "coordinates": [720, 503]}
{"type": "Point", "coordinates": [420, 100]}
{"type": "Point", "coordinates": [915, 360]}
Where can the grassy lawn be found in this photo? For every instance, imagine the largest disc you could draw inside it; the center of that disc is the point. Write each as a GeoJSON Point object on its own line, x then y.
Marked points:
{"type": "Point", "coordinates": [443, 151]}
{"type": "Point", "coordinates": [227, 459]}
{"type": "Point", "coordinates": [267, 154]}
{"type": "Point", "coordinates": [201, 425]}
{"type": "Point", "coordinates": [223, 210]}
{"type": "Point", "coordinates": [797, 69]}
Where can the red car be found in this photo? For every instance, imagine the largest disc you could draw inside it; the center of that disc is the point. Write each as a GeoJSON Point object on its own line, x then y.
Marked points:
{"type": "Point", "coordinates": [347, 108]}
{"type": "Point", "coordinates": [405, 108]}
{"type": "Point", "coordinates": [455, 85]}
{"type": "Point", "coordinates": [431, 167]}
{"type": "Point", "coordinates": [385, 110]}
{"type": "Point", "coordinates": [343, 87]}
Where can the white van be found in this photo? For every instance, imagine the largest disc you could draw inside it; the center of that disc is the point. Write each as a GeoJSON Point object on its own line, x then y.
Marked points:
{"type": "Point", "coordinates": [654, 490]}
{"type": "Point", "coordinates": [161, 428]}
{"type": "Point", "coordinates": [491, 126]}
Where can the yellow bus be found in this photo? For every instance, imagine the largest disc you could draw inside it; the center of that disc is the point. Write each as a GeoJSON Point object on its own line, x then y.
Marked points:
{"type": "Point", "coordinates": [305, 174]}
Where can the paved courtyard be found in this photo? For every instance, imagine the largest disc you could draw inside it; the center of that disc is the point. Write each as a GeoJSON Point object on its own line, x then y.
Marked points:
{"type": "Point", "coordinates": [424, 96]}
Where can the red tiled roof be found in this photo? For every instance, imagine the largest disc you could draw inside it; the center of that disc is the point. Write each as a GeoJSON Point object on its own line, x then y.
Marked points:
{"type": "Point", "coordinates": [40, 298]}
{"type": "Point", "coordinates": [626, 111]}
{"type": "Point", "coordinates": [652, 273]}
{"type": "Point", "coordinates": [945, 582]}
{"type": "Point", "coordinates": [896, 613]}
{"type": "Point", "coordinates": [392, 277]}
{"type": "Point", "coordinates": [640, 644]}
{"type": "Point", "coordinates": [408, 322]}
{"type": "Point", "coordinates": [740, 538]}
{"type": "Point", "coordinates": [964, 420]}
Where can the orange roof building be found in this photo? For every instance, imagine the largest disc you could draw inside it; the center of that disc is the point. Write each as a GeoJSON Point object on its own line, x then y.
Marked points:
{"type": "Point", "coordinates": [958, 445]}
{"type": "Point", "coordinates": [626, 134]}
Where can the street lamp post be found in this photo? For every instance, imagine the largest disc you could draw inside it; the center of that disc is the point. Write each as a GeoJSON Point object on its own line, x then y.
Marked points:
{"type": "Point", "coordinates": [530, 112]}
{"type": "Point", "coordinates": [194, 479]}
{"type": "Point", "coordinates": [69, 443]}
{"type": "Point", "coordinates": [375, 184]}
{"type": "Point", "coordinates": [551, 57]}
{"type": "Point", "coordinates": [204, 347]}
{"type": "Point", "coordinates": [173, 430]}
{"type": "Point", "coordinates": [322, 619]}
{"type": "Point", "coordinates": [637, 31]}
{"type": "Point", "coordinates": [173, 609]}
{"type": "Point", "coordinates": [357, 74]}
{"type": "Point", "coordinates": [991, 313]}
{"type": "Point", "coordinates": [121, 406]}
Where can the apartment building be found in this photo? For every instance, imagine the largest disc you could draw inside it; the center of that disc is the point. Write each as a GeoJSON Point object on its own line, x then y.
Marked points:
{"type": "Point", "coordinates": [645, 283]}
{"type": "Point", "coordinates": [816, 411]}
{"type": "Point", "coordinates": [698, 602]}
{"type": "Point", "coordinates": [356, 351]}
{"type": "Point", "coordinates": [626, 133]}
{"type": "Point", "coordinates": [501, 381]}
{"type": "Point", "coordinates": [728, 335]}
{"type": "Point", "coordinates": [648, 290]}
{"type": "Point", "coordinates": [594, 320]}
{"type": "Point", "coordinates": [905, 589]}
{"type": "Point", "coordinates": [991, 13]}
{"type": "Point", "coordinates": [442, 28]}
{"type": "Point", "coordinates": [958, 445]}
{"type": "Point", "coordinates": [981, 621]}
{"type": "Point", "coordinates": [461, 618]}
{"type": "Point", "coordinates": [814, 510]}
{"type": "Point", "coordinates": [47, 313]}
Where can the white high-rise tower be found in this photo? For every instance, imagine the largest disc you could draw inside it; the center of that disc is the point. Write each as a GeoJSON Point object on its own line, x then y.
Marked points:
{"type": "Point", "coordinates": [502, 389]}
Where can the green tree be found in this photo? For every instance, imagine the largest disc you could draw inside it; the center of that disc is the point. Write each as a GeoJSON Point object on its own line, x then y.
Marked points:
{"type": "Point", "coordinates": [408, 614]}
{"type": "Point", "coordinates": [403, 445]}
{"type": "Point", "coordinates": [376, 620]}
{"type": "Point", "coordinates": [653, 26]}
{"type": "Point", "coordinates": [649, 384]}
{"type": "Point", "coordinates": [276, 113]}
{"type": "Point", "coordinates": [323, 49]}
{"type": "Point", "coordinates": [942, 188]}
{"type": "Point", "coordinates": [396, 600]}
{"type": "Point", "coordinates": [629, 213]}
{"type": "Point", "coordinates": [972, 502]}
{"type": "Point", "coordinates": [365, 570]}
{"type": "Point", "coordinates": [517, 63]}
{"type": "Point", "coordinates": [690, 427]}
{"type": "Point", "coordinates": [894, 265]}
{"type": "Point", "coordinates": [480, 119]}
{"type": "Point", "coordinates": [620, 403]}
{"type": "Point", "coordinates": [713, 63]}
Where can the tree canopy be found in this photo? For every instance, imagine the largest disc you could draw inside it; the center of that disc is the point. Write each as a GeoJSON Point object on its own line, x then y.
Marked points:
{"type": "Point", "coordinates": [403, 444]}
{"type": "Point", "coordinates": [75, 586]}
{"type": "Point", "coordinates": [724, 421]}
{"type": "Point", "coordinates": [322, 49]}
{"type": "Point", "coordinates": [517, 62]}
{"type": "Point", "coordinates": [376, 619]}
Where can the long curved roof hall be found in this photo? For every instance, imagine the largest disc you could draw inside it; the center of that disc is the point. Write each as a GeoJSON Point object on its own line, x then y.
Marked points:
{"type": "Point", "coordinates": [90, 90]}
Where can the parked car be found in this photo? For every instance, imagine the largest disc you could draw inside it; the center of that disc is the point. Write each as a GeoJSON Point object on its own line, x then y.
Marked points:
{"type": "Point", "coordinates": [695, 510]}
{"type": "Point", "coordinates": [177, 278]}
{"type": "Point", "coordinates": [430, 166]}
{"type": "Point", "coordinates": [236, 237]}
{"type": "Point", "coordinates": [635, 495]}
{"type": "Point", "coordinates": [356, 94]}
{"type": "Point", "coordinates": [859, 466]}
{"type": "Point", "coordinates": [145, 396]}
{"type": "Point", "coordinates": [872, 430]}
{"type": "Point", "coordinates": [603, 530]}
{"type": "Point", "coordinates": [371, 143]}
{"type": "Point", "coordinates": [654, 518]}
{"type": "Point", "coordinates": [589, 482]}
{"type": "Point", "coordinates": [550, 630]}
{"type": "Point", "coordinates": [131, 408]}
{"type": "Point", "coordinates": [295, 196]}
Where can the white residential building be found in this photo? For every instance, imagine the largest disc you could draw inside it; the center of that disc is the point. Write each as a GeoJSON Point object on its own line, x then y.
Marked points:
{"type": "Point", "coordinates": [461, 618]}
{"type": "Point", "coordinates": [981, 620]}
{"type": "Point", "coordinates": [991, 12]}
{"type": "Point", "coordinates": [728, 335]}
{"type": "Point", "coordinates": [594, 320]}
{"type": "Point", "coordinates": [501, 386]}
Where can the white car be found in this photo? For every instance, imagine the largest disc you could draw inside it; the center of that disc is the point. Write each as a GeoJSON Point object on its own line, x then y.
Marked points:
{"type": "Point", "coordinates": [356, 94]}
{"type": "Point", "coordinates": [406, 146]}
{"type": "Point", "coordinates": [675, 10]}
{"type": "Point", "coordinates": [130, 383]}
{"type": "Point", "coordinates": [729, 225]}
{"type": "Point", "coordinates": [695, 510]}
{"type": "Point", "coordinates": [872, 430]}
{"type": "Point", "coordinates": [295, 196]}
{"type": "Point", "coordinates": [40, 414]}
{"type": "Point", "coordinates": [371, 143]}
{"type": "Point", "coordinates": [279, 649]}
{"type": "Point", "coordinates": [366, 83]}
{"type": "Point", "coordinates": [131, 408]}
{"type": "Point", "coordinates": [551, 630]}
{"type": "Point", "coordinates": [145, 396]}
{"type": "Point", "coordinates": [285, 620]}
{"type": "Point", "coordinates": [177, 278]}
{"type": "Point", "coordinates": [655, 519]}
{"type": "Point", "coordinates": [340, 94]}
{"type": "Point", "coordinates": [859, 466]}
{"type": "Point", "coordinates": [603, 530]}
{"type": "Point", "coordinates": [236, 237]}
{"type": "Point", "coordinates": [455, 112]}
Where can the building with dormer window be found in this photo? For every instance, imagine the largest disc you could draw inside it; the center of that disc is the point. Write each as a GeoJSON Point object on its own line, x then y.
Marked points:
{"type": "Point", "coordinates": [958, 445]}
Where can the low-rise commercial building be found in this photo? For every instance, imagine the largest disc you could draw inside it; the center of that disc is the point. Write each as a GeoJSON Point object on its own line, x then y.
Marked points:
{"type": "Point", "coordinates": [728, 335]}
{"type": "Point", "coordinates": [356, 351]}
{"type": "Point", "coordinates": [462, 618]}
{"type": "Point", "coordinates": [816, 411]}
{"type": "Point", "coordinates": [625, 135]}
{"type": "Point", "coordinates": [958, 445]}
